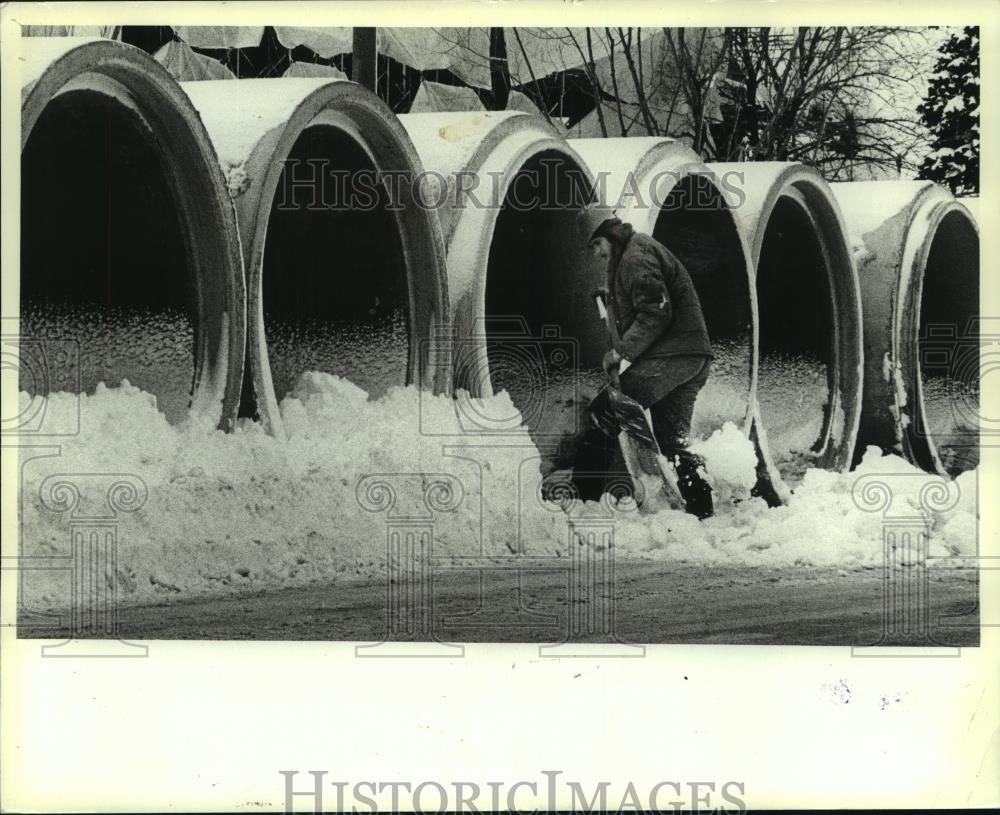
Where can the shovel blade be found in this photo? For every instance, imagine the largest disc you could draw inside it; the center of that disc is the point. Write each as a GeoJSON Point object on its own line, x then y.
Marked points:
{"type": "Point", "coordinates": [631, 418]}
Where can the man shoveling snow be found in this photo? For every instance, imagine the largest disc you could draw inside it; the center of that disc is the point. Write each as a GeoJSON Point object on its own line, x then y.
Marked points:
{"type": "Point", "coordinates": [656, 325]}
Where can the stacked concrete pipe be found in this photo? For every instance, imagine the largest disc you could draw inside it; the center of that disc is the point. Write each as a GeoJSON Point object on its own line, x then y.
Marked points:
{"type": "Point", "coordinates": [971, 203]}
{"type": "Point", "coordinates": [663, 189]}
{"type": "Point", "coordinates": [130, 263]}
{"type": "Point", "coordinates": [810, 324]}
{"type": "Point", "coordinates": [511, 190]}
{"type": "Point", "coordinates": [918, 260]}
{"type": "Point", "coordinates": [345, 269]}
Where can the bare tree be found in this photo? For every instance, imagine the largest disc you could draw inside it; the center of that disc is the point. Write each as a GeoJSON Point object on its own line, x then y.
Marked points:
{"type": "Point", "coordinates": [697, 65]}
{"type": "Point", "coordinates": [841, 99]}
{"type": "Point", "coordinates": [838, 98]}
{"type": "Point", "coordinates": [595, 83]}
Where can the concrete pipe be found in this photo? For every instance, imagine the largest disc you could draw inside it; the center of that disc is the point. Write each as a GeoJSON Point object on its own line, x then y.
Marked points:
{"type": "Point", "coordinates": [128, 236]}
{"type": "Point", "coordinates": [663, 189]}
{"type": "Point", "coordinates": [971, 203]}
{"type": "Point", "coordinates": [810, 337]}
{"type": "Point", "coordinates": [524, 321]}
{"type": "Point", "coordinates": [345, 272]}
{"type": "Point", "coordinates": [918, 259]}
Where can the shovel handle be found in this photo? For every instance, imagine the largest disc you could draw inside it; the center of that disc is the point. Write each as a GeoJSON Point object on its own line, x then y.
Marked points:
{"type": "Point", "coordinates": [615, 379]}
{"type": "Point", "coordinates": [598, 295]}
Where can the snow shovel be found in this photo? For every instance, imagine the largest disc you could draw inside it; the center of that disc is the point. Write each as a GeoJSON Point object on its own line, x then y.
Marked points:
{"type": "Point", "coordinates": [649, 469]}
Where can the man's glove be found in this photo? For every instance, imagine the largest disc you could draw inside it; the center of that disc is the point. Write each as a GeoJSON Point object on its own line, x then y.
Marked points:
{"type": "Point", "coordinates": [612, 359]}
{"type": "Point", "coordinates": [602, 293]}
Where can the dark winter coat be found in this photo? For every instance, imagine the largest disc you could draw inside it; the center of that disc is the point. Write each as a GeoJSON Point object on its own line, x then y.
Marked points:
{"type": "Point", "coordinates": [654, 303]}
{"type": "Point", "coordinates": [657, 314]}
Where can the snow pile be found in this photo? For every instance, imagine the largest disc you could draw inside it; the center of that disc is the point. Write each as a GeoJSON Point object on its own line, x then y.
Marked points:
{"type": "Point", "coordinates": [242, 510]}
{"type": "Point", "coordinates": [730, 463]}
{"type": "Point", "coordinates": [824, 523]}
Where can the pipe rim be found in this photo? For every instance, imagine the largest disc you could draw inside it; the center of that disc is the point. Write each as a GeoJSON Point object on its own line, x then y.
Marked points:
{"type": "Point", "coordinates": [659, 159]}
{"type": "Point", "coordinates": [917, 441]}
{"type": "Point", "coordinates": [809, 187]}
{"type": "Point", "coordinates": [483, 224]}
{"type": "Point", "coordinates": [206, 213]}
{"type": "Point", "coordinates": [369, 121]}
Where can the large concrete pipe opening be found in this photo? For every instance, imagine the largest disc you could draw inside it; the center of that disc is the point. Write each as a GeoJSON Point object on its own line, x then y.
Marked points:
{"type": "Point", "coordinates": [537, 300]}
{"type": "Point", "coordinates": [918, 254]}
{"type": "Point", "coordinates": [697, 226]}
{"type": "Point", "coordinates": [345, 269]}
{"type": "Point", "coordinates": [810, 348]}
{"type": "Point", "coordinates": [519, 282]}
{"type": "Point", "coordinates": [662, 188]}
{"type": "Point", "coordinates": [102, 253]}
{"type": "Point", "coordinates": [129, 259]}
{"type": "Point", "coordinates": [946, 421]}
{"type": "Point", "coordinates": [797, 338]}
{"type": "Point", "coordinates": [334, 279]}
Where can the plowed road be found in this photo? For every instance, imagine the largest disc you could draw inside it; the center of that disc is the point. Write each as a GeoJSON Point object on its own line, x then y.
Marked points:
{"type": "Point", "coordinates": [654, 603]}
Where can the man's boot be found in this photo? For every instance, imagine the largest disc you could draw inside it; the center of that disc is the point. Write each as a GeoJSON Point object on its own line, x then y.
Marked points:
{"type": "Point", "coordinates": [694, 489]}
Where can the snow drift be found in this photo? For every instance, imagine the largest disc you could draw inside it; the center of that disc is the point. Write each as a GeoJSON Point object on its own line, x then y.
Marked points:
{"type": "Point", "coordinates": [231, 511]}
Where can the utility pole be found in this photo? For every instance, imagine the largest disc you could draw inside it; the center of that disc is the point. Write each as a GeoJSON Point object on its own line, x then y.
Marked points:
{"type": "Point", "coordinates": [364, 59]}
{"type": "Point", "coordinates": [499, 69]}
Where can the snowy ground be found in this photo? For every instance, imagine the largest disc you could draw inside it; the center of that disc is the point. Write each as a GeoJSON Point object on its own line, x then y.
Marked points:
{"type": "Point", "coordinates": [228, 514]}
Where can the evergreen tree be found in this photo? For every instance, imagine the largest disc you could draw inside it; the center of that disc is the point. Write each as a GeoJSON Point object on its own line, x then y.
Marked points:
{"type": "Point", "coordinates": [951, 112]}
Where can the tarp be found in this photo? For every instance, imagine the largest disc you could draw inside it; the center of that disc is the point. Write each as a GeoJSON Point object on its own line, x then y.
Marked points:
{"type": "Point", "coordinates": [657, 71]}
{"type": "Point", "coordinates": [111, 32]}
{"type": "Point", "coordinates": [532, 53]}
{"type": "Point", "coordinates": [313, 69]}
{"type": "Point", "coordinates": [518, 101]}
{"type": "Point", "coordinates": [463, 51]}
{"type": "Point", "coordinates": [220, 36]}
{"type": "Point", "coordinates": [325, 42]}
{"type": "Point", "coordinates": [434, 97]}
{"type": "Point", "coordinates": [186, 65]}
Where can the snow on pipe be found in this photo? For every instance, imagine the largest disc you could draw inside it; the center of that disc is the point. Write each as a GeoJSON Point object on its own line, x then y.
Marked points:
{"type": "Point", "coordinates": [511, 190]}
{"type": "Point", "coordinates": [664, 189]}
{"type": "Point", "coordinates": [810, 352]}
{"type": "Point", "coordinates": [345, 273]}
{"type": "Point", "coordinates": [917, 250]}
{"type": "Point", "coordinates": [130, 262]}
